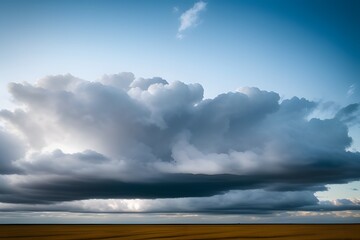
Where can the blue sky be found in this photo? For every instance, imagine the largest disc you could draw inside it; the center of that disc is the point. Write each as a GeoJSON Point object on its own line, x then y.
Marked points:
{"type": "Point", "coordinates": [308, 49]}
{"type": "Point", "coordinates": [296, 48]}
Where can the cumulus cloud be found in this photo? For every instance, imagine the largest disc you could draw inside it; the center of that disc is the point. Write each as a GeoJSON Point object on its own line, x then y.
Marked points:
{"type": "Point", "coordinates": [190, 18]}
{"type": "Point", "coordinates": [124, 138]}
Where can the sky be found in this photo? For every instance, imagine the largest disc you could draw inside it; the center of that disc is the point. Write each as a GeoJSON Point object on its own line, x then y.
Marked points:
{"type": "Point", "coordinates": [179, 111]}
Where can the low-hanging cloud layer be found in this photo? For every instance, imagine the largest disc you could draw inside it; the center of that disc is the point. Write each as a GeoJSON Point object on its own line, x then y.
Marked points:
{"type": "Point", "coordinates": [76, 145]}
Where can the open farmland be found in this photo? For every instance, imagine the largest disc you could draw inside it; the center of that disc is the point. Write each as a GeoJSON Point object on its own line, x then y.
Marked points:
{"type": "Point", "coordinates": [278, 231]}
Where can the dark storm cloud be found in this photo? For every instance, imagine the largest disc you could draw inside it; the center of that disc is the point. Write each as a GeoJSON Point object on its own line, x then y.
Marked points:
{"type": "Point", "coordinates": [127, 138]}
{"type": "Point", "coordinates": [233, 202]}
{"type": "Point", "coordinates": [237, 201]}
{"type": "Point", "coordinates": [167, 186]}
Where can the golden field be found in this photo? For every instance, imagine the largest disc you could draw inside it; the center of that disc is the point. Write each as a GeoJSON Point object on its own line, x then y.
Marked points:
{"type": "Point", "coordinates": [164, 232]}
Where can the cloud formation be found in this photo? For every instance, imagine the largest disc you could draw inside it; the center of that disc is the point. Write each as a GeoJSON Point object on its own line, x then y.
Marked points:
{"type": "Point", "coordinates": [351, 90]}
{"type": "Point", "coordinates": [124, 138]}
{"type": "Point", "coordinates": [190, 18]}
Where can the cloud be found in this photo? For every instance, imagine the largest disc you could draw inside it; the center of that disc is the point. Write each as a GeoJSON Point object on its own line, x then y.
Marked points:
{"type": "Point", "coordinates": [11, 149]}
{"type": "Point", "coordinates": [232, 202]}
{"type": "Point", "coordinates": [351, 90]}
{"type": "Point", "coordinates": [190, 18]}
{"type": "Point", "coordinates": [349, 114]}
{"type": "Point", "coordinates": [175, 9]}
{"type": "Point", "coordinates": [247, 201]}
{"type": "Point", "coordinates": [124, 138]}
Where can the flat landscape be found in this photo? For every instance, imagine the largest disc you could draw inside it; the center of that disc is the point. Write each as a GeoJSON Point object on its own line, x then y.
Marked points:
{"type": "Point", "coordinates": [252, 231]}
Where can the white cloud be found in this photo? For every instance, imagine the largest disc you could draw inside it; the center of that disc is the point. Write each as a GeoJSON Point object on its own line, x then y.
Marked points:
{"type": "Point", "coordinates": [190, 18]}
{"type": "Point", "coordinates": [175, 9]}
{"type": "Point", "coordinates": [351, 90]}
{"type": "Point", "coordinates": [136, 138]}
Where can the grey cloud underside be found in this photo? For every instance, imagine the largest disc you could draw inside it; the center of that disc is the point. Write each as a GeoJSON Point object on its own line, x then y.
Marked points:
{"type": "Point", "coordinates": [168, 186]}
{"type": "Point", "coordinates": [150, 139]}
{"type": "Point", "coordinates": [238, 201]}
{"type": "Point", "coordinates": [10, 150]}
{"type": "Point", "coordinates": [48, 190]}
{"type": "Point", "coordinates": [233, 202]}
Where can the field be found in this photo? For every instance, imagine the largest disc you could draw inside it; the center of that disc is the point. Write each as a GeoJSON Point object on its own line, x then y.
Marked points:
{"type": "Point", "coordinates": [164, 232]}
